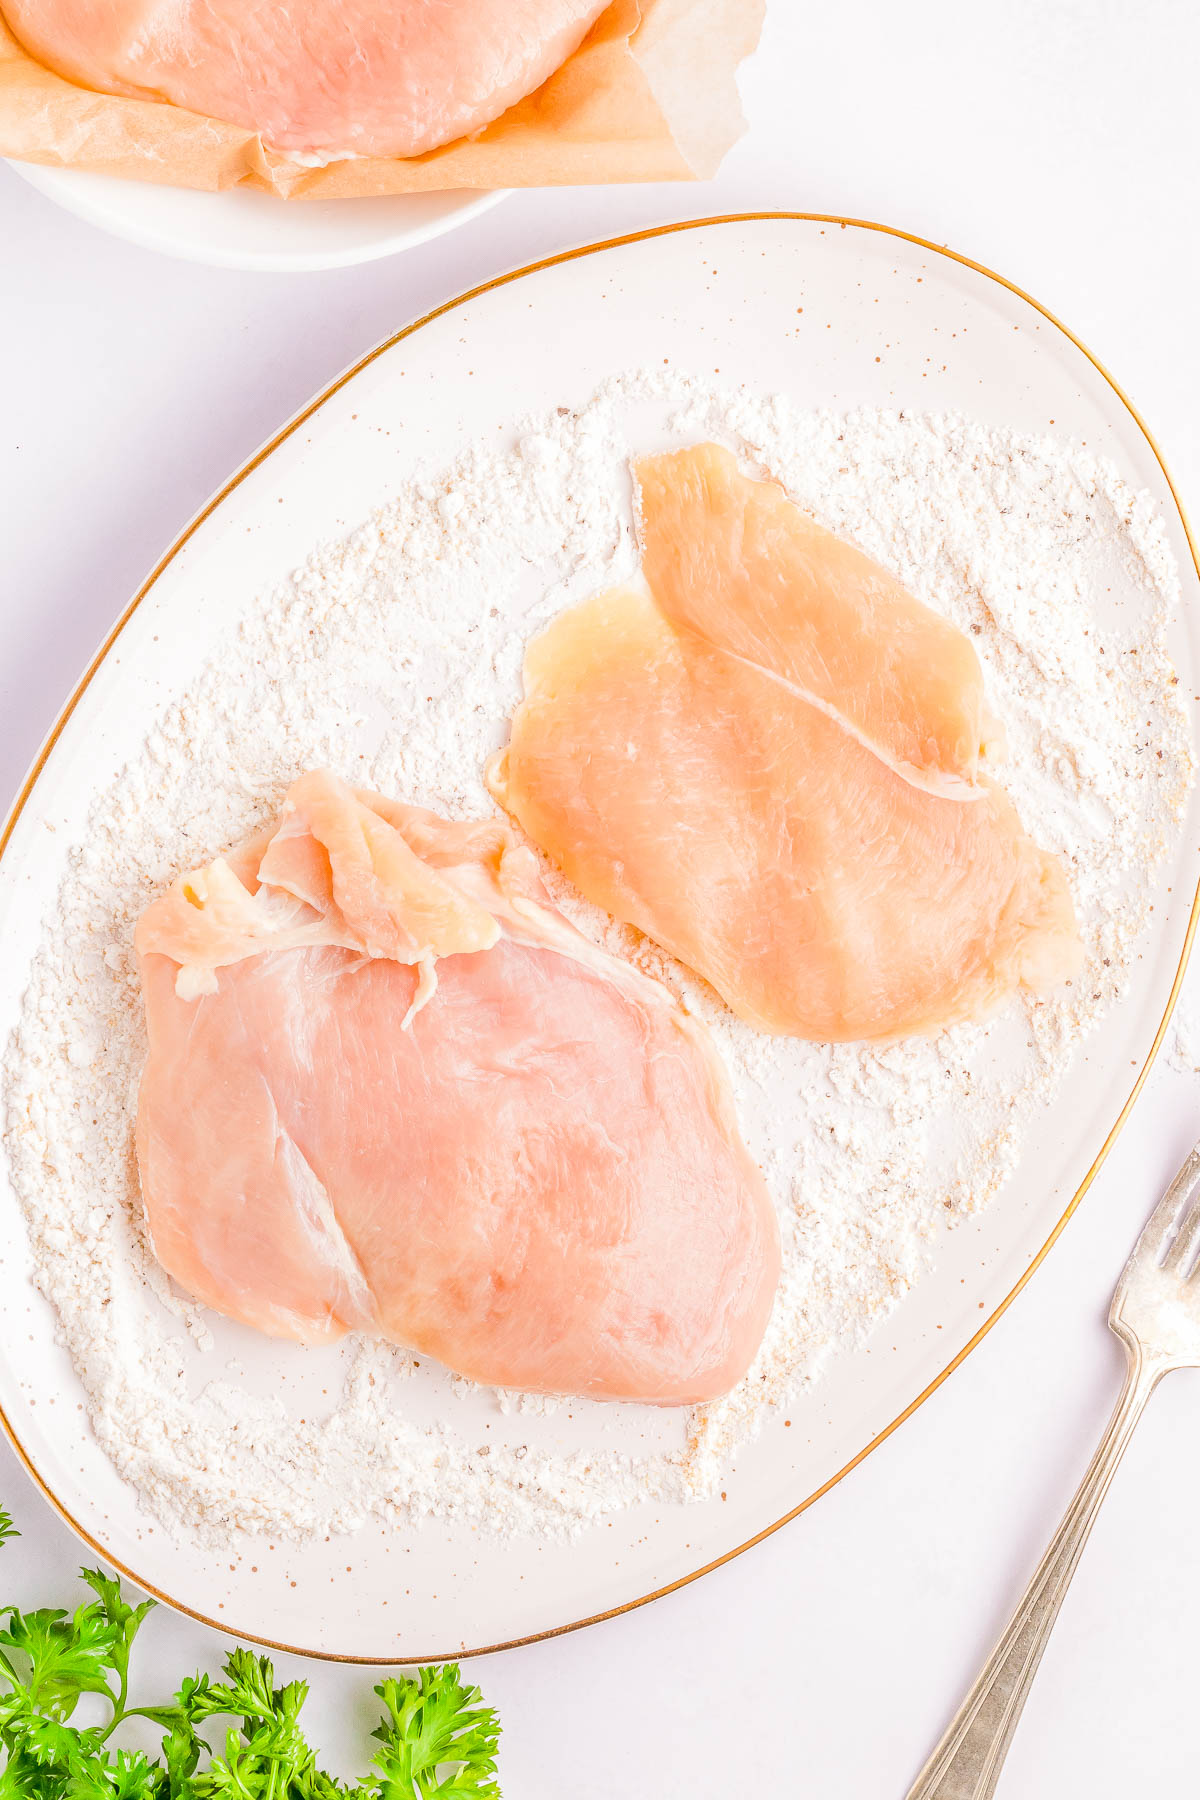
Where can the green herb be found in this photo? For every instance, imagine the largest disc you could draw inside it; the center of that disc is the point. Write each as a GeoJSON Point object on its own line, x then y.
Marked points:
{"type": "Point", "coordinates": [437, 1741]}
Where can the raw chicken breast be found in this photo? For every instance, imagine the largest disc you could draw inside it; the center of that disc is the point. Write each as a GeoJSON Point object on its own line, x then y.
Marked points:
{"type": "Point", "coordinates": [774, 773]}
{"type": "Point", "coordinates": [321, 77]}
{"type": "Point", "coordinates": [389, 1089]}
{"type": "Point", "coordinates": [737, 563]}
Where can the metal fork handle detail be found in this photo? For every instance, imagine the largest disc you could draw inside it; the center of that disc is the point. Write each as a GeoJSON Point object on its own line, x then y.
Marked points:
{"type": "Point", "coordinates": [966, 1764]}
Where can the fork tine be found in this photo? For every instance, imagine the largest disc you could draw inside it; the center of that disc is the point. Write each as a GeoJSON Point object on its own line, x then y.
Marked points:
{"type": "Point", "coordinates": [1180, 1259]}
{"type": "Point", "coordinates": [1181, 1248]}
{"type": "Point", "coordinates": [1161, 1238]}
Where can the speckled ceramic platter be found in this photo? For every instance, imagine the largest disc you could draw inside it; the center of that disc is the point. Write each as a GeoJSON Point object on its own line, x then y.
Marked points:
{"type": "Point", "coordinates": [836, 314]}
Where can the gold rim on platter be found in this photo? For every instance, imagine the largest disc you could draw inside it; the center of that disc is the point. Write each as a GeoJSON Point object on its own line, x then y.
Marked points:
{"type": "Point", "coordinates": [234, 481]}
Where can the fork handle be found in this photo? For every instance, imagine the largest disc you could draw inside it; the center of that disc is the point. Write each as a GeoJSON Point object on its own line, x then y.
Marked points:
{"type": "Point", "coordinates": [966, 1764]}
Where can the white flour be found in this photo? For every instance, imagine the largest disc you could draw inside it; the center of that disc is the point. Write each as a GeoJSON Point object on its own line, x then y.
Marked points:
{"type": "Point", "coordinates": [1183, 1044]}
{"type": "Point", "coordinates": [395, 658]}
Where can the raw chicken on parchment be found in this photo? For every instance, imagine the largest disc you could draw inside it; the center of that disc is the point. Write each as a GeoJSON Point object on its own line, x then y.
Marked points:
{"type": "Point", "coordinates": [324, 78]}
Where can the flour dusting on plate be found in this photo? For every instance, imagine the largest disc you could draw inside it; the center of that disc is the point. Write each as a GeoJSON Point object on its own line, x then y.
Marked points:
{"type": "Point", "coordinates": [394, 657]}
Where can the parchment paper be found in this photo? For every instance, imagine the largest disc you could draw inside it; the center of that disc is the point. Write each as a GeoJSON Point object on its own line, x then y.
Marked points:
{"type": "Point", "coordinates": [650, 95]}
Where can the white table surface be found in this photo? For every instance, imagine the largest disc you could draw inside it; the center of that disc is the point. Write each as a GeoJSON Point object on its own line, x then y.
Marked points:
{"type": "Point", "coordinates": [1056, 141]}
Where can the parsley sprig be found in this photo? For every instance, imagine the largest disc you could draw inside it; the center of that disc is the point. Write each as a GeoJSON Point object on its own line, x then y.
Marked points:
{"type": "Point", "coordinates": [437, 1741]}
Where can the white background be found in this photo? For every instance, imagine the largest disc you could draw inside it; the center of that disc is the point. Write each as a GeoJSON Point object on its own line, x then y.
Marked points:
{"type": "Point", "coordinates": [1055, 141]}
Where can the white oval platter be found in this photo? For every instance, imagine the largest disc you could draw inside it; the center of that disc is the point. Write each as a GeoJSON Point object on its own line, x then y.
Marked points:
{"type": "Point", "coordinates": [886, 321]}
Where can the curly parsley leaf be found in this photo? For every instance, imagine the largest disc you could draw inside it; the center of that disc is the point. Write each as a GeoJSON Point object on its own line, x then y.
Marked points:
{"type": "Point", "coordinates": [125, 1620]}
{"type": "Point", "coordinates": [57, 1658]}
{"type": "Point", "coordinates": [437, 1740]}
{"type": "Point", "coordinates": [270, 1754]}
{"type": "Point", "coordinates": [123, 1775]}
{"type": "Point", "coordinates": [248, 1691]}
{"type": "Point", "coordinates": [7, 1528]}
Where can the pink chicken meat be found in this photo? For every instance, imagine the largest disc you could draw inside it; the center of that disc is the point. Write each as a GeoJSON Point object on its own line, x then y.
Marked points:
{"type": "Point", "coordinates": [775, 762]}
{"type": "Point", "coordinates": [394, 78]}
{"type": "Point", "coordinates": [389, 1089]}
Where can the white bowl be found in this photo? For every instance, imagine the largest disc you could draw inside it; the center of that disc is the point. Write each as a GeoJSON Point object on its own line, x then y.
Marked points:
{"type": "Point", "coordinates": [244, 229]}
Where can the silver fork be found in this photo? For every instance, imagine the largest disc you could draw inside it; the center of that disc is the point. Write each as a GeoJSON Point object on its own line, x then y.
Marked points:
{"type": "Point", "coordinates": [1156, 1314]}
